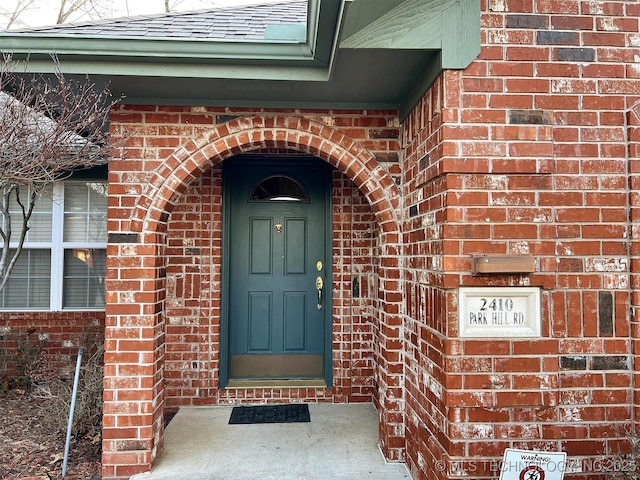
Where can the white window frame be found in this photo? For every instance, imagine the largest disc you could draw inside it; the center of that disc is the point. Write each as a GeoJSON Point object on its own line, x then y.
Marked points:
{"type": "Point", "coordinates": [57, 246]}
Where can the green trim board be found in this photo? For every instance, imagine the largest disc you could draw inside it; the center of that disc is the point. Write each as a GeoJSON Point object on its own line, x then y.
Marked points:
{"type": "Point", "coordinates": [133, 52]}
{"type": "Point", "coordinates": [360, 54]}
{"type": "Point", "coordinates": [446, 25]}
{"type": "Point", "coordinates": [361, 80]}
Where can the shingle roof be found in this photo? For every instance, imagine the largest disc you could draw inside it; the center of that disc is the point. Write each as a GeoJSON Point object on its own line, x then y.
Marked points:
{"type": "Point", "coordinates": [248, 22]}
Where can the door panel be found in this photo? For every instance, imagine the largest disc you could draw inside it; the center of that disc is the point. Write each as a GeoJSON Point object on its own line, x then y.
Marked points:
{"type": "Point", "coordinates": [295, 251]}
{"type": "Point", "coordinates": [261, 250]}
{"type": "Point", "coordinates": [295, 304]}
{"type": "Point", "coordinates": [275, 327]}
{"type": "Point", "coordinates": [260, 312]}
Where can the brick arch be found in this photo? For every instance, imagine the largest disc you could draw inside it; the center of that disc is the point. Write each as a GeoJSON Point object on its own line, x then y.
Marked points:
{"type": "Point", "coordinates": [140, 303]}
{"type": "Point", "coordinates": [247, 134]}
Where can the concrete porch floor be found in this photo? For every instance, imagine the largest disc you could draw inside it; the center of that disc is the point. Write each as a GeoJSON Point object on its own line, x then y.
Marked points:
{"type": "Point", "coordinates": [340, 442]}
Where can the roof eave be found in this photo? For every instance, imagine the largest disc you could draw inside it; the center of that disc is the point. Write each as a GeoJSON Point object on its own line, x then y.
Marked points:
{"type": "Point", "coordinates": [395, 49]}
{"type": "Point", "coordinates": [167, 57]}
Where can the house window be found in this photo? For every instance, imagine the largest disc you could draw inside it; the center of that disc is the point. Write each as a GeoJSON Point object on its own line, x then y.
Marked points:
{"type": "Point", "coordinates": [63, 263]}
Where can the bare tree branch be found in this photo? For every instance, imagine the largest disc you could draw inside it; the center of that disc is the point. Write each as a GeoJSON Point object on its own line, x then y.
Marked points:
{"type": "Point", "coordinates": [67, 10]}
{"type": "Point", "coordinates": [49, 128]}
{"type": "Point", "coordinates": [70, 8]}
{"type": "Point", "coordinates": [7, 260]}
{"type": "Point", "coordinates": [15, 16]}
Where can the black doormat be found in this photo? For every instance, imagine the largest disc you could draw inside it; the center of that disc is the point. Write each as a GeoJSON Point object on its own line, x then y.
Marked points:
{"type": "Point", "coordinates": [291, 413]}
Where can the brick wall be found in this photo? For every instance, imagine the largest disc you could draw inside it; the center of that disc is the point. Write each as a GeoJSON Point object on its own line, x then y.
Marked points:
{"type": "Point", "coordinates": [164, 219]}
{"type": "Point", "coordinates": [633, 122]}
{"type": "Point", "coordinates": [356, 307]}
{"type": "Point", "coordinates": [193, 298]}
{"type": "Point", "coordinates": [56, 335]}
{"type": "Point", "coordinates": [531, 150]}
{"type": "Point", "coordinates": [525, 152]}
{"type": "Point", "coordinates": [193, 292]}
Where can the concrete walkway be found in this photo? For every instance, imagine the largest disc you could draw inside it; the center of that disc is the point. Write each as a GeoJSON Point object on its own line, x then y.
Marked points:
{"type": "Point", "coordinates": [340, 442]}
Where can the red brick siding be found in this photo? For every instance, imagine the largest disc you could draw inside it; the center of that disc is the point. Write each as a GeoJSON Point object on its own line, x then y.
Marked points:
{"type": "Point", "coordinates": [59, 335]}
{"type": "Point", "coordinates": [134, 356]}
{"type": "Point", "coordinates": [182, 145]}
{"type": "Point", "coordinates": [527, 155]}
{"type": "Point", "coordinates": [633, 122]}
{"type": "Point", "coordinates": [530, 151]}
{"type": "Point", "coordinates": [165, 136]}
{"type": "Point", "coordinates": [355, 316]}
{"type": "Point", "coordinates": [533, 149]}
{"type": "Point", "coordinates": [193, 297]}
{"type": "Point", "coordinates": [193, 292]}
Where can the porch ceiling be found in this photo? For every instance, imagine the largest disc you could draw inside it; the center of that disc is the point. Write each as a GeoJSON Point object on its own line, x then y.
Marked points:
{"type": "Point", "coordinates": [373, 54]}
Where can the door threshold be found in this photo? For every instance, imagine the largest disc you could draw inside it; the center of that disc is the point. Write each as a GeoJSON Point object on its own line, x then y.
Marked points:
{"type": "Point", "coordinates": [277, 383]}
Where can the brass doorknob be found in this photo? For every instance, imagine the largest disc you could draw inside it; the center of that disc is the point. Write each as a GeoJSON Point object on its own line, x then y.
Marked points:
{"type": "Point", "coordinates": [319, 285]}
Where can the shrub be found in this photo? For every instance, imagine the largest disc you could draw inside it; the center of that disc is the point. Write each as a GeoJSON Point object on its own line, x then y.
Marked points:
{"type": "Point", "coordinates": [87, 418]}
{"type": "Point", "coordinates": [20, 359]}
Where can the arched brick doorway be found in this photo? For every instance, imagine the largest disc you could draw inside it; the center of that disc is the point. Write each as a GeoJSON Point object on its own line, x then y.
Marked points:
{"type": "Point", "coordinates": [136, 289]}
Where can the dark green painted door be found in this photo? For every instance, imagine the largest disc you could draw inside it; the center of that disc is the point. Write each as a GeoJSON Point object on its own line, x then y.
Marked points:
{"type": "Point", "coordinates": [277, 305]}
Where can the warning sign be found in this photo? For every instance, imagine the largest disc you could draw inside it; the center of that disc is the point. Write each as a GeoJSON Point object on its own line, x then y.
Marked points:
{"type": "Point", "coordinates": [532, 465]}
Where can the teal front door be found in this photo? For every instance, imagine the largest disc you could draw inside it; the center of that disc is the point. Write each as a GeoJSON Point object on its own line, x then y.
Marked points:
{"type": "Point", "coordinates": [277, 306]}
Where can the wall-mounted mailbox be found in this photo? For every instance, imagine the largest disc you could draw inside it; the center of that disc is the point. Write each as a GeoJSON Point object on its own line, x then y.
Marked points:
{"type": "Point", "coordinates": [504, 264]}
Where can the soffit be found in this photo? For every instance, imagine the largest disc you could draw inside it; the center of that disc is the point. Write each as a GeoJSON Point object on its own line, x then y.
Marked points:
{"type": "Point", "coordinates": [375, 54]}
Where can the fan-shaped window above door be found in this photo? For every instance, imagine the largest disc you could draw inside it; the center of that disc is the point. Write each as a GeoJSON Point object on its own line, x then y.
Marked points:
{"type": "Point", "coordinates": [279, 188]}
